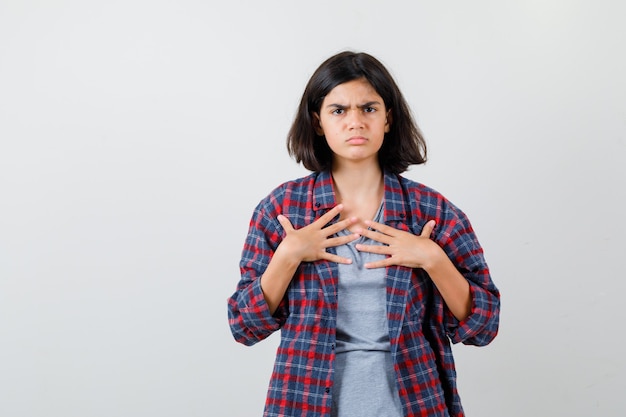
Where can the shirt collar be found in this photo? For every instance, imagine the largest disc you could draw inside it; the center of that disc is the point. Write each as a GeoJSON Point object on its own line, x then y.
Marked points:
{"type": "Point", "coordinates": [395, 198]}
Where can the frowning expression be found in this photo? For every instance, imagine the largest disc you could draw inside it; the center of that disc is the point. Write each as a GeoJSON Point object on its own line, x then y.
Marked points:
{"type": "Point", "coordinates": [354, 120]}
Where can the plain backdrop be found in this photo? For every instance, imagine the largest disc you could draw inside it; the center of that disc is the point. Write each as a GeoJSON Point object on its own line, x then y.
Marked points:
{"type": "Point", "coordinates": [136, 137]}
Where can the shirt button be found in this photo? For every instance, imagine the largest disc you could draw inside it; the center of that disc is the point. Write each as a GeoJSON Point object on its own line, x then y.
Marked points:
{"type": "Point", "coordinates": [327, 390]}
{"type": "Point", "coordinates": [318, 205]}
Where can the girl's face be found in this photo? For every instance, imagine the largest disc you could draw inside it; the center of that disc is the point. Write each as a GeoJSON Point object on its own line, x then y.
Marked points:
{"type": "Point", "coordinates": [354, 120]}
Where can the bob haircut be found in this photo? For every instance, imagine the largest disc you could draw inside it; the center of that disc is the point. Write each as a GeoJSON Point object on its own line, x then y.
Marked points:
{"type": "Point", "coordinates": [403, 145]}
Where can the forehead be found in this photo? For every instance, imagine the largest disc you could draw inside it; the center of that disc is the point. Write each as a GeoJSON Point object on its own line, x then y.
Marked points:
{"type": "Point", "coordinates": [355, 90]}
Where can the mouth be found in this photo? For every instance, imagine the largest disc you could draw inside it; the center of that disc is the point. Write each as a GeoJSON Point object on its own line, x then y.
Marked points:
{"type": "Point", "coordinates": [357, 140]}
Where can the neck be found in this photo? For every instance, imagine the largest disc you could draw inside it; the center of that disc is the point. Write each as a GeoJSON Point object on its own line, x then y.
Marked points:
{"type": "Point", "coordinates": [358, 183]}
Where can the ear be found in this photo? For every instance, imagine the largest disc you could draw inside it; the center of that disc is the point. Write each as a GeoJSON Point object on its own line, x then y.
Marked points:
{"type": "Point", "coordinates": [317, 124]}
{"type": "Point", "coordinates": [388, 121]}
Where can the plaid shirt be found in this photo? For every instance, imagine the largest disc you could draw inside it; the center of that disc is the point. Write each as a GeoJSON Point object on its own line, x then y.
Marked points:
{"type": "Point", "coordinates": [420, 325]}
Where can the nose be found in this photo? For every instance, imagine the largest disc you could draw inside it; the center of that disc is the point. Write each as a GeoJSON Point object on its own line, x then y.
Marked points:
{"type": "Point", "coordinates": [355, 119]}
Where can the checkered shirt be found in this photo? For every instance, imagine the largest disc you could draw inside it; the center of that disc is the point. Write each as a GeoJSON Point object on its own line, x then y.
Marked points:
{"type": "Point", "coordinates": [421, 327]}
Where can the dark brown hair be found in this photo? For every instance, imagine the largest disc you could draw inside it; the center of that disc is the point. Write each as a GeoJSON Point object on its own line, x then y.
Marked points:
{"type": "Point", "coordinates": [404, 144]}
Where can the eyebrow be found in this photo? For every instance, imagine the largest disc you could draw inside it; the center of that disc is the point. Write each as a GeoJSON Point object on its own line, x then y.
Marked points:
{"type": "Point", "coordinates": [361, 106]}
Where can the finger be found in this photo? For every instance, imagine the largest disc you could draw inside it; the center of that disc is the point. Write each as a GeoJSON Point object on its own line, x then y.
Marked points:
{"type": "Point", "coordinates": [383, 250]}
{"type": "Point", "coordinates": [379, 264]}
{"type": "Point", "coordinates": [341, 240]}
{"type": "Point", "coordinates": [378, 237]}
{"type": "Point", "coordinates": [330, 214]}
{"type": "Point", "coordinates": [383, 228]}
{"type": "Point", "coordinates": [284, 222]}
{"type": "Point", "coordinates": [428, 228]}
{"type": "Point", "coordinates": [336, 258]}
{"type": "Point", "coordinates": [344, 224]}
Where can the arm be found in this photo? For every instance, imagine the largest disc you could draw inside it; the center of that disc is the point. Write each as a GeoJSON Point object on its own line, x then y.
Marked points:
{"type": "Point", "coordinates": [254, 308]}
{"type": "Point", "coordinates": [457, 269]}
{"type": "Point", "coordinates": [452, 285]}
{"type": "Point", "coordinates": [307, 244]}
{"type": "Point", "coordinates": [419, 251]}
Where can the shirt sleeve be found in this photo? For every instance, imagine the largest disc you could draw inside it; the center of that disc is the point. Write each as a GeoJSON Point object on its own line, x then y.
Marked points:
{"type": "Point", "coordinates": [249, 316]}
{"type": "Point", "coordinates": [460, 243]}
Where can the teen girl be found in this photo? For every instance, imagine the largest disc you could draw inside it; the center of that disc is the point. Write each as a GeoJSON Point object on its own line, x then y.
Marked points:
{"type": "Point", "coordinates": [368, 275]}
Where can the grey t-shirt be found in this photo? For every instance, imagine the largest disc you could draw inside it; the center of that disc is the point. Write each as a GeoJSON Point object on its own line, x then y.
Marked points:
{"type": "Point", "coordinates": [365, 381]}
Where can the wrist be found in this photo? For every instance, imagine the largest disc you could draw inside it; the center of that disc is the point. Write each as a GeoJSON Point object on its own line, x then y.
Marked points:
{"type": "Point", "coordinates": [284, 257]}
{"type": "Point", "coordinates": [436, 261]}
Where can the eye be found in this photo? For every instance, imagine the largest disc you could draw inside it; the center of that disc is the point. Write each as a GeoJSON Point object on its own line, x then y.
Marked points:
{"type": "Point", "coordinates": [338, 111]}
{"type": "Point", "coordinates": [369, 109]}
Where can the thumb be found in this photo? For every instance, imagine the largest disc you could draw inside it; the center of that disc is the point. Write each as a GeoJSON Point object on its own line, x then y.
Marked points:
{"type": "Point", "coordinates": [428, 228]}
{"type": "Point", "coordinates": [284, 222]}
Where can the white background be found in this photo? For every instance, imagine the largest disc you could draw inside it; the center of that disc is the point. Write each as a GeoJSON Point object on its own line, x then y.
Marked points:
{"type": "Point", "coordinates": [137, 137]}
